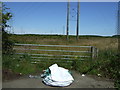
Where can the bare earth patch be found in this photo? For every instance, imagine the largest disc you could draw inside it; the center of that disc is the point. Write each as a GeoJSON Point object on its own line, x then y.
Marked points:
{"type": "Point", "coordinates": [80, 82]}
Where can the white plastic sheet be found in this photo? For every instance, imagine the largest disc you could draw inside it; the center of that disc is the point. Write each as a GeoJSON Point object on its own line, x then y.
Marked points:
{"type": "Point", "coordinates": [58, 76]}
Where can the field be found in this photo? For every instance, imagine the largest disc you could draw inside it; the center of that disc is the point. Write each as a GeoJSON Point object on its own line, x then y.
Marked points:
{"type": "Point", "coordinates": [107, 47]}
{"type": "Point", "coordinates": [100, 42]}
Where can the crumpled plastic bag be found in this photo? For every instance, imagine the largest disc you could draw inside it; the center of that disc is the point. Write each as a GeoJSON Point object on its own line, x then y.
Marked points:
{"type": "Point", "coordinates": [57, 76]}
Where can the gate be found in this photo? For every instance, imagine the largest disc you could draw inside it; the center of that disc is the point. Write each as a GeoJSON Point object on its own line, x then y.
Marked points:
{"type": "Point", "coordinates": [58, 53]}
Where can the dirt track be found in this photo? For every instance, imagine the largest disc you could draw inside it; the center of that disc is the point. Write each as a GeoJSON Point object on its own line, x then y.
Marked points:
{"type": "Point", "coordinates": [80, 82]}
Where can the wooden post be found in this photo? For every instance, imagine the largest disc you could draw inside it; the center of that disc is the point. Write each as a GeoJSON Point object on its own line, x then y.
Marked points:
{"type": "Point", "coordinates": [118, 27]}
{"type": "Point", "coordinates": [67, 27]}
{"type": "Point", "coordinates": [78, 12]}
{"type": "Point", "coordinates": [93, 53]}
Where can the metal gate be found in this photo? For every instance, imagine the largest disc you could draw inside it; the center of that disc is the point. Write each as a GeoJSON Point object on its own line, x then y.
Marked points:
{"type": "Point", "coordinates": [60, 53]}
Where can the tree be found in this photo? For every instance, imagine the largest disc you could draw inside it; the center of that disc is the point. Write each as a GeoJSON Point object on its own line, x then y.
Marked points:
{"type": "Point", "coordinates": [6, 43]}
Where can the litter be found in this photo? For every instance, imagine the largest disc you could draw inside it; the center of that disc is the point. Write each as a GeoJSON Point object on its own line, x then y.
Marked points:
{"type": "Point", "coordinates": [31, 76]}
{"type": "Point", "coordinates": [57, 76]}
{"type": "Point", "coordinates": [99, 75]}
{"type": "Point", "coordinates": [83, 75]}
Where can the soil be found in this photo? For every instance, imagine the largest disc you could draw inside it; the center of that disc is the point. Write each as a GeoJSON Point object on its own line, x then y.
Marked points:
{"type": "Point", "coordinates": [9, 75]}
{"type": "Point", "coordinates": [88, 81]}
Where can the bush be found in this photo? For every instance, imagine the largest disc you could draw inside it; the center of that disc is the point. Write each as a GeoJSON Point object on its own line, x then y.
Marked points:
{"type": "Point", "coordinates": [109, 65]}
{"type": "Point", "coordinates": [7, 44]}
{"type": "Point", "coordinates": [117, 84]}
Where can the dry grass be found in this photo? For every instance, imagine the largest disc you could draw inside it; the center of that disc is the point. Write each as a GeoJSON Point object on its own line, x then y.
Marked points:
{"type": "Point", "coordinates": [100, 42]}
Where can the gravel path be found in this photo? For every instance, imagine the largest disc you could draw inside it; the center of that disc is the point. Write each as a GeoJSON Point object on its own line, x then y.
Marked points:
{"type": "Point", "coordinates": [80, 82]}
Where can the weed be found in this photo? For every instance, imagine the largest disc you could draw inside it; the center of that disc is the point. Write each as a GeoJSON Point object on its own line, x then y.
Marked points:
{"type": "Point", "coordinates": [19, 64]}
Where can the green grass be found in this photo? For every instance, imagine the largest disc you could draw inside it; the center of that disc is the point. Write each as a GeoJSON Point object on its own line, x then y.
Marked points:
{"type": "Point", "coordinates": [102, 43]}
{"type": "Point", "coordinates": [18, 64]}
{"type": "Point", "coordinates": [107, 64]}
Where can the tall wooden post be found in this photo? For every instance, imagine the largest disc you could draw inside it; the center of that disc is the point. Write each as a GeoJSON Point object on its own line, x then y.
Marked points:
{"type": "Point", "coordinates": [118, 27]}
{"type": "Point", "coordinates": [67, 27]}
{"type": "Point", "coordinates": [78, 13]}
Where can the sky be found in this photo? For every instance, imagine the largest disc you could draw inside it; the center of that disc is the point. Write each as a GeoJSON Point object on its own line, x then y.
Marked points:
{"type": "Point", "coordinates": [96, 18]}
{"type": "Point", "coordinates": [59, 0]}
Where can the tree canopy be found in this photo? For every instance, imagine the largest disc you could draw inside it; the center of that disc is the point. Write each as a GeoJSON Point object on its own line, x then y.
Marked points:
{"type": "Point", "coordinates": [6, 16]}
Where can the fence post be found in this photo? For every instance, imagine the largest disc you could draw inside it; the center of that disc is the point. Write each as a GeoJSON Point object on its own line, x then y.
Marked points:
{"type": "Point", "coordinates": [94, 52]}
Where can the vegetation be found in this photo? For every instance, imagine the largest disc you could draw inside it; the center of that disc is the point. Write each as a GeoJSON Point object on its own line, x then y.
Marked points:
{"type": "Point", "coordinates": [19, 64]}
{"type": "Point", "coordinates": [10, 61]}
{"type": "Point", "coordinates": [107, 64]}
{"type": "Point", "coordinates": [6, 42]}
